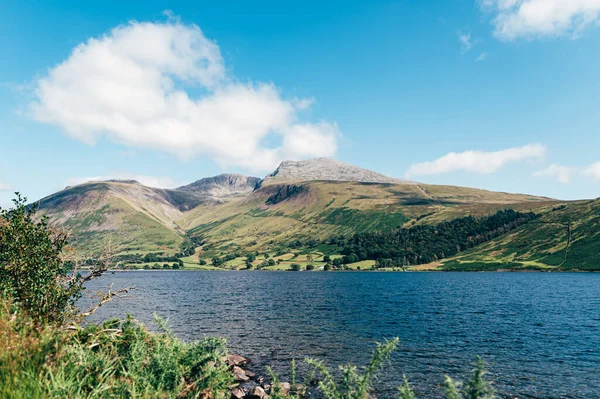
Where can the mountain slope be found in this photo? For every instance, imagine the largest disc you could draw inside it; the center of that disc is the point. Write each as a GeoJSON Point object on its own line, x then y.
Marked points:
{"type": "Point", "coordinates": [135, 217]}
{"type": "Point", "coordinates": [305, 203]}
{"type": "Point", "coordinates": [216, 189]}
{"type": "Point", "coordinates": [278, 214]}
{"type": "Point", "coordinates": [565, 237]}
{"type": "Point", "coordinates": [325, 169]}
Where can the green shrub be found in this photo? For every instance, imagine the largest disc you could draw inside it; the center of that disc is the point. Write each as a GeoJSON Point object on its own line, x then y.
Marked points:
{"type": "Point", "coordinates": [33, 276]}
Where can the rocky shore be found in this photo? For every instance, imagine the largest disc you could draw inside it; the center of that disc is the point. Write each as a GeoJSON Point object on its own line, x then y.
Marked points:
{"type": "Point", "coordinates": [250, 386]}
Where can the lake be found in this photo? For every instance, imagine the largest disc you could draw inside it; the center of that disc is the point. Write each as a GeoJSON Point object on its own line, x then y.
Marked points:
{"type": "Point", "coordinates": [538, 332]}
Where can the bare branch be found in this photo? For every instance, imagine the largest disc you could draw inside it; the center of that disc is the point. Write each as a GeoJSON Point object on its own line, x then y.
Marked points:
{"type": "Point", "coordinates": [106, 298]}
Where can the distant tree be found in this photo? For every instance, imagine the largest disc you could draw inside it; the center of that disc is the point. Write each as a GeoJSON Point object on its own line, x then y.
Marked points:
{"type": "Point", "coordinates": [216, 261]}
{"type": "Point", "coordinates": [250, 258]}
{"type": "Point", "coordinates": [326, 258]}
{"type": "Point", "coordinates": [310, 267]}
{"type": "Point", "coordinates": [296, 267]}
{"type": "Point", "coordinates": [337, 262]}
{"type": "Point", "coordinates": [351, 258]}
{"type": "Point", "coordinates": [327, 267]}
{"type": "Point", "coordinates": [266, 255]}
{"type": "Point", "coordinates": [202, 262]}
{"type": "Point", "coordinates": [166, 266]}
{"type": "Point", "coordinates": [271, 262]}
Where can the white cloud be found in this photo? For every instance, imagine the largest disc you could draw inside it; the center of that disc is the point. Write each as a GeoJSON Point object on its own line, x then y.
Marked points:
{"type": "Point", "coordinates": [481, 57]}
{"type": "Point", "coordinates": [561, 173]}
{"type": "Point", "coordinates": [476, 161]}
{"type": "Point", "coordinates": [542, 18]}
{"type": "Point", "coordinates": [5, 186]}
{"type": "Point", "coordinates": [465, 41]}
{"type": "Point", "coordinates": [133, 86]}
{"type": "Point", "coordinates": [150, 181]}
{"type": "Point", "coordinates": [593, 171]}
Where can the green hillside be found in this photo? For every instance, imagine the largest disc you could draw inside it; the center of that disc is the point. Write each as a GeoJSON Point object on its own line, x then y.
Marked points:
{"type": "Point", "coordinates": [279, 214]}
{"type": "Point", "coordinates": [134, 217]}
{"type": "Point", "coordinates": [565, 237]}
{"type": "Point", "coordinates": [229, 215]}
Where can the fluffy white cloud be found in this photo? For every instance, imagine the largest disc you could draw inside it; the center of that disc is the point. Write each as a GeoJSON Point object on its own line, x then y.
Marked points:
{"type": "Point", "coordinates": [561, 173]}
{"type": "Point", "coordinates": [5, 186]}
{"type": "Point", "coordinates": [593, 171]}
{"type": "Point", "coordinates": [150, 181]}
{"type": "Point", "coordinates": [540, 18]}
{"type": "Point", "coordinates": [134, 86]}
{"type": "Point", "coordinates": [476, 161]}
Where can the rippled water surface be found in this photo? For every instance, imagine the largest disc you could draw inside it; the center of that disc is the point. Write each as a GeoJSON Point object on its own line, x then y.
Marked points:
{"type": "Point", "coordinates": [539, 332]}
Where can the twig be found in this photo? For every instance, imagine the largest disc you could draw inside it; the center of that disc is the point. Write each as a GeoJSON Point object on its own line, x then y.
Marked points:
{"type": "Point", "coordinates": [106, 298]}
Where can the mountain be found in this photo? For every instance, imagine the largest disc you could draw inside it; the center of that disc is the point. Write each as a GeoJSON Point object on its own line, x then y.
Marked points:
{"type": "Point", "coordinates": [214, 189]}
{"type": "Point", "coordinates": [326, 169]}
{"type": "Point", "coordinates": [136, 217]}
{"type": "Point", "coordinates": [278, 214]}
{"type": "Point", "coordinates": [308, 202]}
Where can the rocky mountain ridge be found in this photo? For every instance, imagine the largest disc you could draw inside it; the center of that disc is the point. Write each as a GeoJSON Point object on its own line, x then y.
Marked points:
{"type": "Point", "coordinates": [326, 169]}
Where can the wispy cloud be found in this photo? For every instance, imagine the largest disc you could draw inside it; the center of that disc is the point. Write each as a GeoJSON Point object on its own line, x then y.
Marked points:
{"type": "Point", "coordinates": [561, 173]}
{"type": "Point", "coordinates": [480, 162]}
{"type": "Point", "coordinates": [481, 57]}
{"type": "Point", "coordinates": [564, 174]}
{"type": "Point", "coordinates": [5, 186]}
{"type": "Point", "coordinates": [150, 181]}
{"type": "Point", "coordinates": [593, 171]}
{"type": "Point", "coordinates": [132, 86]}
{"type": "Point", "coordinates": [515, 19]}
{"type": "Point", "coordinates": [465, 41]}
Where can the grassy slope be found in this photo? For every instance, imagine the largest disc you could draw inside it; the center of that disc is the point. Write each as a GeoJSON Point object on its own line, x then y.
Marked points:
{"type": "Point", "coordinates": [542, 244]}
{"type": "Point", "coordinates": [331, 208]}
{"type": "Point", "coordinates": [135, 217]}
{"type": "Point", "coordinates": [140, 220]}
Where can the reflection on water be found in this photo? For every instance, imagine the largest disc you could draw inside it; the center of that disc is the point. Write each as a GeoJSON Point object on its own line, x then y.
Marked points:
{"type": "Point", "coordinates": [539, 333]}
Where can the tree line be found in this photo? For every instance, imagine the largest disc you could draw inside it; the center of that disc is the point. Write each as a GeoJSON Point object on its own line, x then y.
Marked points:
{"type": "Point", "coordinates": [428, 243]}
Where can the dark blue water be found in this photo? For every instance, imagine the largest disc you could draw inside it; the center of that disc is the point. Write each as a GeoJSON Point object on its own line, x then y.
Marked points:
{"type": "Point", "coordinates": [538, 332]}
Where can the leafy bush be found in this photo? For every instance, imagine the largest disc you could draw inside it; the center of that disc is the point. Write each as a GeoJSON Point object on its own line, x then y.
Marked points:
{"type": "Point", "coordinates": [33, 276]}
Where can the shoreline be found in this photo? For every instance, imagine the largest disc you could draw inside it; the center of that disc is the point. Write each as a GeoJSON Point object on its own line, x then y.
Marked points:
{"type": "Point", "coordinates": [359, 271]}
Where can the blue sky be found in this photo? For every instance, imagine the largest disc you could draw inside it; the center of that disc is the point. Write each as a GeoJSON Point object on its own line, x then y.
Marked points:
{"type": "Point", "coordinates": [494, 94]}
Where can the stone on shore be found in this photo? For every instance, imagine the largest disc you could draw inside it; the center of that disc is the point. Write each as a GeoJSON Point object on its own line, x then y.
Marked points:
{"type": "Point", "coordinates": [237, 393]}
{"type": "Point", "coordinates": [237, 360]}
{"type": "Point", "coordinates": [285, 387]}
{"type": "Point", "coordinates": [258, 393]}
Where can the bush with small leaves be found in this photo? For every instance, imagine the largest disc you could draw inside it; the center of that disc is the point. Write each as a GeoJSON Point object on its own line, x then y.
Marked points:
{"type": "Point", "coordinates": [33, 276]}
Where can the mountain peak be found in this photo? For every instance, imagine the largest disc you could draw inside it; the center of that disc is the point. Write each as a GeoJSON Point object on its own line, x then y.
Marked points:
{"type": "Point", "coordinates": [222, 186]}
{"type": "Point", "coordinates": [326, 169]}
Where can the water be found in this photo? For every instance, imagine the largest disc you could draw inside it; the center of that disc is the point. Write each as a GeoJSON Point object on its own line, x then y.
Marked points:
{"type": "Point", "coordinates": [539, 332]}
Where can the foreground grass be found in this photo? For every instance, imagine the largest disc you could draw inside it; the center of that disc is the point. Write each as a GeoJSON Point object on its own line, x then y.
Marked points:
{"type": "Point", "coordinates": [113, 360]}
